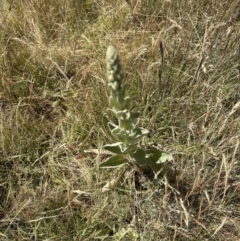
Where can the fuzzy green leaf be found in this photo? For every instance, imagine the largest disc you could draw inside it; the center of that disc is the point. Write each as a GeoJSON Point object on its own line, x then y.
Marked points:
{"type": "Point", "coordinates": [108, 125]}
{"type": "Point", "coordinates": [138, 133]}
{"type": "Point", "coordinates": [127, 102]}
{"type": "Point", "coordinates": [139, 157]}
{"type": "Point", "coordinates": [114, 148]}
{"type": "Point", "coordinates": [156, 156]}
{"type": "Point", "coordinates": [128, 149]}
{"type": "Point", "coordinates": [135, 118]}
{"type": "Point", "coordinates": [117, 131]}
{"type": "Point", "coordinates": [122, 113]}
{"type": "Point", "coordinates": [114, 161]}
{"type": "Point", "coordinates": [151, 157]}
{"type": "Point", "coordinates": [165, 157]}
{"type": "Point", "coordinates": [115, 103]}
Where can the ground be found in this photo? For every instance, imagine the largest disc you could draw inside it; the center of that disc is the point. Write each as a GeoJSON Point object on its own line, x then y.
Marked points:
{"type": "Point", "coordinates": [181, 63]}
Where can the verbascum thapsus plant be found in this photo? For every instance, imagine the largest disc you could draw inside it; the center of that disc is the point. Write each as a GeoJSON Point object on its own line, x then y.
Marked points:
{"type": "Point", "coordinates": [125, 133]}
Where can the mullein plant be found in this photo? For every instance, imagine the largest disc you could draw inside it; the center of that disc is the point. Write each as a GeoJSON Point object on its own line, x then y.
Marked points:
{"type": "Point", "coordinates": [126, 133]}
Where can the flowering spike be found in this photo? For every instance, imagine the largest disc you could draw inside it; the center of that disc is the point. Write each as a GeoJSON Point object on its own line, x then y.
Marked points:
{"type": "Point", "coordinates": [125, 132]}
{"type": "Point", "coordinates": [114, 73]}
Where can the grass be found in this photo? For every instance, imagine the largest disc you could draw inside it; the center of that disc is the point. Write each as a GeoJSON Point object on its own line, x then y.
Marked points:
{"type": "Point", "coordinates": [53, 93]}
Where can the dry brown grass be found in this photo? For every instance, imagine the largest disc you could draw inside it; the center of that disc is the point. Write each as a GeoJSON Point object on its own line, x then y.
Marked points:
{"type": "Point", "coordinates": [53, 94]}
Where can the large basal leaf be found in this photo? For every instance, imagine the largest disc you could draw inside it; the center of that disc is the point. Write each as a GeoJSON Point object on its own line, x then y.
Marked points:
{"type": "Point", "coordinates": [156, 156]}
{"type": "Point", "coordinates": [165, 157]}
{"type": "Point", "coordinates": [118, 148]}
{"type": "Point", "coordinates": [151, 157]}
{"type": "Point", "coordinates": [128, 149]}
{"type": "Point", "coordinates": [114, 161]}
{"type": "Point", "coordinates": [139, 157]}
{"type": "Point", "coordinates": [114, 148]}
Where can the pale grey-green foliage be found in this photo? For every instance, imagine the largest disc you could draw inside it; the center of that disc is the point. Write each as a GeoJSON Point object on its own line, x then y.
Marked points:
{"type": "Point", "coordinates": [126, 132]}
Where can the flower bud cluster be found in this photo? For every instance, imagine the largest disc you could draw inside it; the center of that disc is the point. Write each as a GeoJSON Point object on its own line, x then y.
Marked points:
{"type": "Point", "coordinates": [114, 73]}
